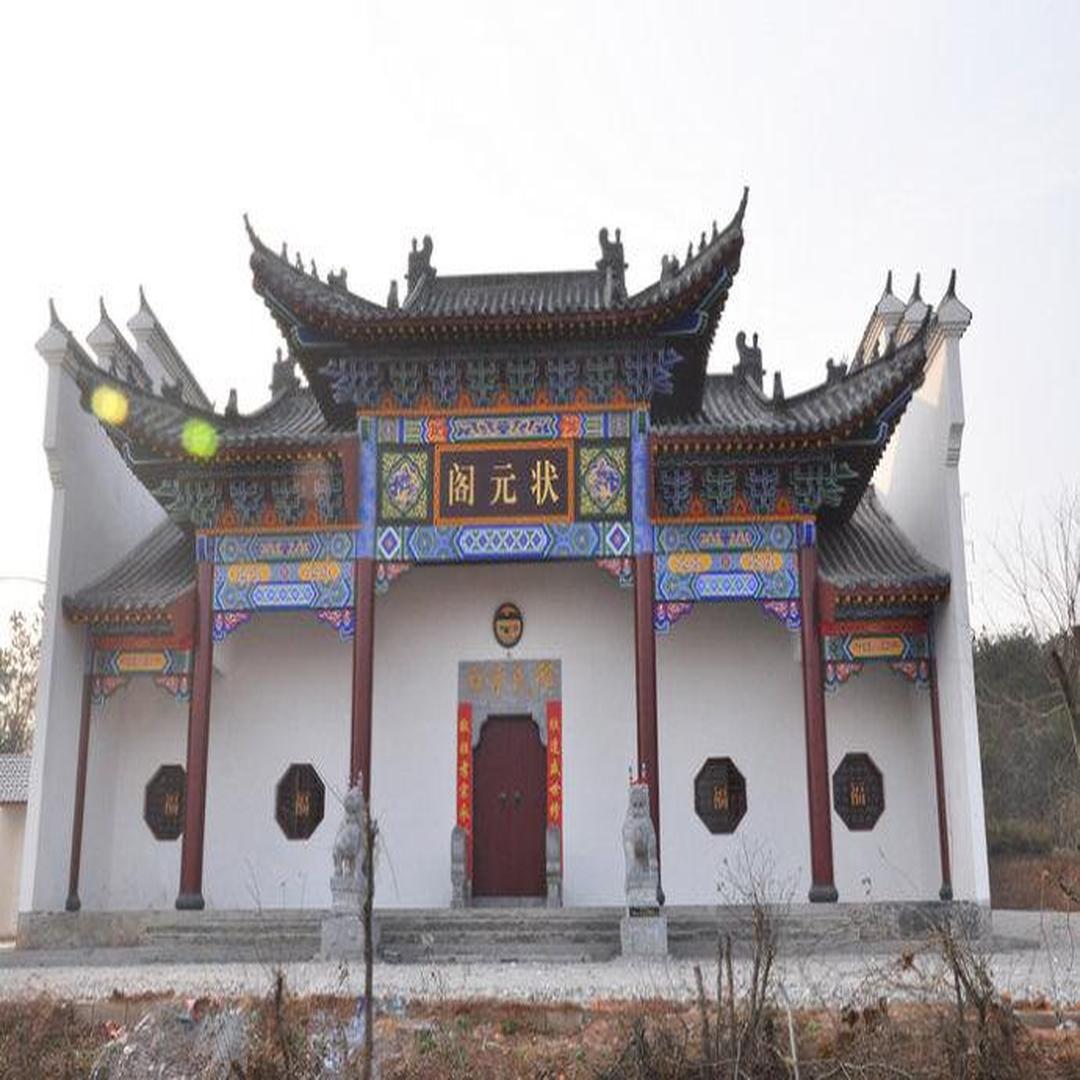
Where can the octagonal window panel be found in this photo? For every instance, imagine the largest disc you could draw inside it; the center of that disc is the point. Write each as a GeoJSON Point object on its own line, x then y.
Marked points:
{"type": "Point", "coordinates": [720, 795]}
{"type": "Point", "coordinates": [163, 806]}
{"type": "Point", "coordinates": [858, 792]}
{"type": "Point", "coordinates": [300, 802]}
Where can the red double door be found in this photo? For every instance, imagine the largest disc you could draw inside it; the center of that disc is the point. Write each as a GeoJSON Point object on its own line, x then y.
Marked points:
{"type": "Point", "coordinates": [509, 771]}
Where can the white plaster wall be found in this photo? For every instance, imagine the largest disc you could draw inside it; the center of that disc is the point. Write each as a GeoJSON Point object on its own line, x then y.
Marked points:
{"type": "Point", "coordinates": [920, 487]}
{"type": "Point", "coordinates": [99, 511]}
{"type": "Point", "coordinates": [434, 617]}
{"type": "Point", "coordinates": [12, 825]}
{"type": "Point", "coordinates": [729, 684]}
{"type": "Point", "coordinates": [284, 697]}
{"type": "Point", "coordinates": [880, 713]}
{"type": "Point", "coordinates": [132, 733]}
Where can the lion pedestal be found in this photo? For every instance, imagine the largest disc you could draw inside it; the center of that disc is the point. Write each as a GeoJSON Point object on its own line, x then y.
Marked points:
{"type": "Point", "coordinates": [343, 928]}
{"type": "Point", "coordinates": [643, 929]}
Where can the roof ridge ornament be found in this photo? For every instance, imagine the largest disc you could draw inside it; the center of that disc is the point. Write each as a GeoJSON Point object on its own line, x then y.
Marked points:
{"type": "Point", "coordinates": [916, 292]}
{"type": "Point", "coordinates": [419, 264]}
{"type": "Point", "coordinates": [612, 264]}
{"type": "Point", "coordinates": [834, 372]}
{"type": "Point", "coordinates": [749, 365]}
{"type": "Point", "coordinates": [778, 388]}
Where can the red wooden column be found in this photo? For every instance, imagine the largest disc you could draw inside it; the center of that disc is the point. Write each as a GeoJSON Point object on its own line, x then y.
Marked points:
{"type": "Point", "coordinates": [645, 670]}
{"type": "Point", "coordinates": [363, 661]}
{"type": "Point", "coordinates": [198, 743]}
{"type": "Point", "coordinates": [822, 887]}
{"type": "Point", "coordinates": [361, 461]}
{"type": "Point", "coordinates": [73, 903]}
{"type": "Point", "coordinates": [945, 892]}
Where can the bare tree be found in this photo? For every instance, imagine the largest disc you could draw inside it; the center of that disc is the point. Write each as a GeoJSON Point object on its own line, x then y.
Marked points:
{"type": "Point", "coordinates": [19, 661]}
{"type": "Point", "coordinates": [1042, 573]}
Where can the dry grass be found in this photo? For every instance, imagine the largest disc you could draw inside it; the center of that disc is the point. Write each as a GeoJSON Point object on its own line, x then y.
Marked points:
{"type": "Point", "coordinates": [657, 1040]}
{"type": "Point", "coordinates": [1032, 882]}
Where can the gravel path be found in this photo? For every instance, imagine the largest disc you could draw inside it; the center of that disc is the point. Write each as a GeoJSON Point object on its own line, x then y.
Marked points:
{"type": "Point", "coordinates": [832, 980]}
{"type": "Point", "coordinates": [1034, 957]}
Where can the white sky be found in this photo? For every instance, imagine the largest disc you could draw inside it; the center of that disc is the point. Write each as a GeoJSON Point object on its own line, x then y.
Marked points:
{"type": "Point", "coordinates": [918, 136]}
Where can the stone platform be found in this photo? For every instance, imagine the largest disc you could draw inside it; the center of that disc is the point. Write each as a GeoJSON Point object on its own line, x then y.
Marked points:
{"type": "Point", "coordinates": [473, 935]}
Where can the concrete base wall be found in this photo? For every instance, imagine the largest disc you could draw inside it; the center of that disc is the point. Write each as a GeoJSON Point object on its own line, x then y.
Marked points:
{"type": "Point", "coordinates": [12, 828]}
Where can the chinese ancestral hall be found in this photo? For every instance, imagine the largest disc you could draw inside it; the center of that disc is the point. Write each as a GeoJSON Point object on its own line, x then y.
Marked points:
{"type": "Point", "coordinates": [491, 549]}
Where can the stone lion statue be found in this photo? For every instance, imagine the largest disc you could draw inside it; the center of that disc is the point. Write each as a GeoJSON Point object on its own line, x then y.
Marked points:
{"type": "Point", "coordinates": [349, 842]}
{"type": "Point", "coordinates": [639, 847]}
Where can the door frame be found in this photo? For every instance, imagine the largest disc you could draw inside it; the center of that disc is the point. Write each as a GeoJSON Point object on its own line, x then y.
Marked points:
{"type": "Point", "coordinates": [489, 688]}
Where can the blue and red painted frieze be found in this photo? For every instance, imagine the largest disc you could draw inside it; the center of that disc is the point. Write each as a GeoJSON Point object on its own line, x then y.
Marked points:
{"type": "Point", "coordinates": [115, 661]}
{"type": "Point", "coordinates": [902, 644]}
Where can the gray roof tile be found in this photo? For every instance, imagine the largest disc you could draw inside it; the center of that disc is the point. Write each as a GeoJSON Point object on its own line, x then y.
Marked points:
{"type": "Point", "coordinates": [869, 552]}
{"type": "Point", "coordinates": [151, 576]}
{"type": "Point", "coordinates": [14, 778]}
{"type": "Point", "coordinates": [734, 406]}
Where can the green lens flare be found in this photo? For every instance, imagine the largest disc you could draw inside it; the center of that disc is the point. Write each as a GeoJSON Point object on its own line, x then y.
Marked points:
{"type": "Point", "coordinates": [199, 439]}
{"type": "Point", "coordinates": [109, 405]}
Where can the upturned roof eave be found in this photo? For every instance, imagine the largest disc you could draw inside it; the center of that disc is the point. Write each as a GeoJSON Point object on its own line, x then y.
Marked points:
{"type": "Point", "coordinates": [648, 310]}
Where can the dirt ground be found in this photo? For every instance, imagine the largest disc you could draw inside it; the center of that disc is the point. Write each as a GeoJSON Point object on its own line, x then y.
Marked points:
{"type": "Point", "coordinates": [48, 1038]}
{"type": "Point", "coordinates": [1032, 882]}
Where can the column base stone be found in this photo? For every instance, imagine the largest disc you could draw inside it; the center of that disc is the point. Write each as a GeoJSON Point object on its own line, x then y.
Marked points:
{"type": "Point", "coordinates": [643, 933]}
{"type": "Point", "coordinates": [823, 894]}
{"type": "Point", "coordinates": [190, 902]}
{"type": "Point", "coordinates": [343, 936]}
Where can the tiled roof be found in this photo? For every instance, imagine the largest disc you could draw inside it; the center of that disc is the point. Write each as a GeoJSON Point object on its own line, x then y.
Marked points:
{"type": "Point", "coordinates": [14, 778]}
{"type": "Point", "coordinates": [869, 553]}
{"type": "Point", "coordinates": [509, 294]}
{"type": "Point", "coordinates": [299, 299]}
{"type": "Point", "coordinates": [148, 578]}
{"type": "Point", "coordinates": [291, 419]}
{"type": "Point", "coordinates": [734, 406]}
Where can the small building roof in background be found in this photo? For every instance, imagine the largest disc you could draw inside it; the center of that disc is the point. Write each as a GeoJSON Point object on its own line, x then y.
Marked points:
{"type": "Point", "coordinates": [14, 778]}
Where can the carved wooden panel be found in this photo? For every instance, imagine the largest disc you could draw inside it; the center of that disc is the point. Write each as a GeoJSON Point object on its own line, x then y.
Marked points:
{"type": "Point", "coordinates": [720, 795]}
{"type": "Point", "coordinates": [301, 801]}
{"type": "Point", "coordinates": [858, 792]}
{"type": "Point", "coordinates": [163, 806]}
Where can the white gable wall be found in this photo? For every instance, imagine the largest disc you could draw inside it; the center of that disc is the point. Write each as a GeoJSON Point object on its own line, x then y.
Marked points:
{"type": "Point", "coordinates": [919, 485]}
{"type": "Point", "coordinates": [94, 496]}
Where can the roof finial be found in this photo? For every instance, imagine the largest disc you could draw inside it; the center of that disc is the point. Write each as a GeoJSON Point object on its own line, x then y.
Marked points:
{"type": "Point", "coordinates": [54, 319]}
{"type": "Point", "coordinates": [101, 307]}
{"type": "Point", "coordinates": [250, 231]}
{"type": "Point", "coordinates": [950, 292]}
{"type": "Point", "coordinates": [777, 387]}
{"type": "Point", "coordinates": [142, 298]}
{"type": "Point", "coordinates": [392, 296]}
{"type": "Point", "coordinates": [741, 212]}
{"type": "Point", "coordinates": [916, 292]}
{"type": "Point", "coordinates": [232, 409]}
{"type": "Point", "coordinates": [888, 284]}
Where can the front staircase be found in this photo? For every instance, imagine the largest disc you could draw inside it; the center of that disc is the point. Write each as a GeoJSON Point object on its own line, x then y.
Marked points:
{"type": "Point", "coordinates": [480, 935]}
{"type": "Point", "coordinates": [486, 935]}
